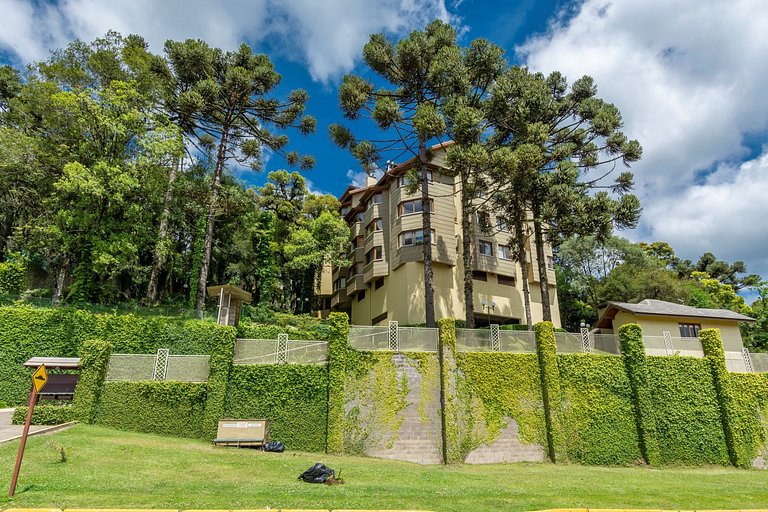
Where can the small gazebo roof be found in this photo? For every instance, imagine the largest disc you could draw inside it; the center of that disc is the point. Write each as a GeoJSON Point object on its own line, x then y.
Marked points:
{"type": "Point", "coordinates": [237, 293]}
{"type": "Point", "coordinates": [60, 363]}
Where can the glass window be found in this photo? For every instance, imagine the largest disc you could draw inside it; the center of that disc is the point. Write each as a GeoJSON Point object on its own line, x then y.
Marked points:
{"type": "Point", "coordinates": [485, 248]}
{"type": "Point", "coordinates": [501, 224]}
{"type": "Point", "coordinates": [374, 254]}
{"type": "Point", "coordinates": [689, 330]}
{"type": "Point", "coordinates": [506, 280]}
{"type": "Point", "coordinates": [359, 217]}
{"type": "Point", "coordinates": [504, 252]}
{"type": "Point", "coordinates": [415, 237]}
{"type": "Point", "coordinates": [550, 262]}
{"type": "Point", "coordinates": [378, 198]}
{"type": "Point", "coordinates": [375, 225]}
{"type": "Point", "coordinates": [409, 207]}
{"type": "Point", "coordinates": [478, 275]}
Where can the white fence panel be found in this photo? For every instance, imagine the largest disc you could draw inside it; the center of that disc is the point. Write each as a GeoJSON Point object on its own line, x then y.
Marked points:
{"type": "Point", "coordinates": [517, 341]}
{"type": "Point", "coordinates": [262, 351]}
{"type": "Point", "coordinates": [369, 338]}
{"type": "Point", "coordinates": [569, 343]}
{"type": "Point", "coordinates": [418, 339]}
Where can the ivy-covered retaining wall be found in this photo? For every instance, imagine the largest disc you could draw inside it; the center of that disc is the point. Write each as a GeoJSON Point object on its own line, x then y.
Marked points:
{"type": "Point", "coordinates": [598, 416]}
{"type": "Point", "coordinates": [580, 407]}
{"type": "Point", "coordinates": [162, 407]}
{"type": "Point", "coordinates": [26, 332]}
{"type": "Point", "coordinates": [294, 398]}
{"type": "Point", "coordinates": [494, 389]}
{"type": "Point", "coordinates": [688, 425]}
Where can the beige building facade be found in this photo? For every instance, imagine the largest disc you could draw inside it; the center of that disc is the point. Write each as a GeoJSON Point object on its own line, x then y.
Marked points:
{"type": "Point", "coordinates": [655, 317]}
{"type": "Point", "coordinates": [385, 279]}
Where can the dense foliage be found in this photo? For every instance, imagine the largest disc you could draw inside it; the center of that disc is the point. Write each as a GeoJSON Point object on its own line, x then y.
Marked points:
{"type": "Point", "coordinates": [27, 332]}
{"type": "Point", "coordinates": [598, 411]}
{"type": "Point", "coordinates": [168, 408]}
{"type": "Point", "coordinates": [116, 163]}
{"type": "Point", "coordinates": [294, 398]}
{"type": "Point", "coordinates": [591, 272]}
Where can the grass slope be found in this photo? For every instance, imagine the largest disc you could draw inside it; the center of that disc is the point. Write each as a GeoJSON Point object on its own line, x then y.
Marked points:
{"type": "Point", "coordinates": [108, 468]}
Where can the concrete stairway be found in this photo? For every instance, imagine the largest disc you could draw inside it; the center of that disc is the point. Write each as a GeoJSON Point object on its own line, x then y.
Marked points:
{"type": "Point", "coordinates": [416, 441]}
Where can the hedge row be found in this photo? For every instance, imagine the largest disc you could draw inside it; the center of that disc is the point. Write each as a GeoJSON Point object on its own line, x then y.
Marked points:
{"type": "Point", "coordinates": [167, 408]}
{"type": "Point", "coordinates": [26, 332]}
{"type": "Point", "coordinates": [44, 415]}
{"type": "Point", "coordinates": [598, 415]}
{"type": "Point", "coordinates": [294, 398]}
{"type": "Point", "coordinates": [688, 424]}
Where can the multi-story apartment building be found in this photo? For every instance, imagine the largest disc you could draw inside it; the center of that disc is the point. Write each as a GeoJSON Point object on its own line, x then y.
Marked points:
{"type": "Point", "coordinates": [385, 279]}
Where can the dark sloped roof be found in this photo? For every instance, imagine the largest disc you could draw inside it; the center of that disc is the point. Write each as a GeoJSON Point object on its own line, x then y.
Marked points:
{"type": "Point", "coordinates": [664, 308]}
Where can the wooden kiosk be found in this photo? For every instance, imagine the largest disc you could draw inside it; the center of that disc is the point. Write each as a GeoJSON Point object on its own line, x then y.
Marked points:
{"type": "Point", "coordinates": [231, 299]}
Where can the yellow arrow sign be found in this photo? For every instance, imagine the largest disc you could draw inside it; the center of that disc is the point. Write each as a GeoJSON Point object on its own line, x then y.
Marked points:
{"type": "Point", "coordinates": [40, 378]}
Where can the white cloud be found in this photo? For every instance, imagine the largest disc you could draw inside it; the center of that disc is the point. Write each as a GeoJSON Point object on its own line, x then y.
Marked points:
{"type": "Point", "coordinates": [688, 77]}
{"type": "Point", "coordinates": [358, 178]}
{"type": "Point", "coordinates": [727, 212]}
{"type": "Point", "coordinates": [327, 35]}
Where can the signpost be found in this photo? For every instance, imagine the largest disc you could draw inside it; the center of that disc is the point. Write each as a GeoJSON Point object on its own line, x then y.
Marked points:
{"type": "Point", "coordinates": [39, 380]}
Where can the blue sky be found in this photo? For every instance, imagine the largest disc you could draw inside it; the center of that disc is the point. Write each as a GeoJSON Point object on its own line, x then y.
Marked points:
{"type": "Point", "coordinates": [688, 77]}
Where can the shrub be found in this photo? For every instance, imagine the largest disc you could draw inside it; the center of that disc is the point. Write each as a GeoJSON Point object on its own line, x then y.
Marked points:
{"type": "Point", "coordinates": [44, 415]}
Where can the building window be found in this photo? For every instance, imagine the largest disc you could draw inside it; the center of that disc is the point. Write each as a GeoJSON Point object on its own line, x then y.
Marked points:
{"type": "Point", "coordinates": [550, 263]}
{"type": "Point", "coordinates": [358, 241]}
{"type": "Point", "coordinates": [689, 330]}
{"type": "Point", "coordinates": [415, 237]}
{"type": "Point", "coordinates": [501, 224]}
{"type": "Point", "coordinates": [504, 252]}
{"type": "Point", "coordinates": [379, 283]}
{"type": "Point", "coordinates": [484, 220]}
{"type": "Point", "coordinates": [360, 295]}
{"type": "Point", "coordinates": [359, 216]}
{"type": "Point", "coordinates": [485, 247]}
{"type": "Point", "coordinates": [375, 225]}
{"type": "Point", "coordinates": [478, 275]}
{"type": "Point", "coordinates": [344, 210]}
{"type": "Point", "coordinates": [340, 283]}
{"type": "Point", "coordinates": [411, 207]}
{"type": "Point", "coordinates": [506, 280]}
{"type": "Point", "coordinates": [374, 254]}
{"type": "Point", "coordinates": [378, 198]}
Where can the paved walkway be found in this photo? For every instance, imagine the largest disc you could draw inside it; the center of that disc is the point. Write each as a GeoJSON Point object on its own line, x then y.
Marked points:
{"type": "Point", "coordinates": [10, 432]}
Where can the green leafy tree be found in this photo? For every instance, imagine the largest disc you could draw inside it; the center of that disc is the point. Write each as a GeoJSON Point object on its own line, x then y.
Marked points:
{"type": "Point", "coordinates": [564, 137]}
{"type": "Point", "coordinates": [418, 77]}
{"type": "Point", "coordinates": [222, 99]}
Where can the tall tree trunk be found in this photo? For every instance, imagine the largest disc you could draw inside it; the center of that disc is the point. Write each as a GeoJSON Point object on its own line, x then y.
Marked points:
{"type": "Point", "coordinates": [467, 248]}
{"type": "Point", "coordinates": [162, 236]}
{"type": "Point", "coordinates": [523, 260]}
{"type": "Point", "coordinates": [541, 264]}
{"type": "Point", "coordinates": [5, 232]}
{"type": "Point", "coordinates": [58, 285]}
{"type": "Point", "coordinates": [206, 260]}
{"type": "Point", "coordinates": [426, 225]}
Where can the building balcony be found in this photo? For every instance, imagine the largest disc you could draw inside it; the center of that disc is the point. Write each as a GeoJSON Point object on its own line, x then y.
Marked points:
{"type": "Point", "coordinates": [356, 229]}
{"type": "Point", "coordinates": [355, 284]}
{"type": "Point", "coordinates": [374, 212]}
{"type": "Point", "coordinates": [374, 239]}
{"type": "Point", "coordinates": [356, 256]}
{"type": "Point", "coordinates": [374, 270]}
{"type": "Point", "coordinates": [339, 298]}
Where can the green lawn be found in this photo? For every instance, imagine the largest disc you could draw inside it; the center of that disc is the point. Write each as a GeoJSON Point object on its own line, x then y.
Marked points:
{"type": "Point", "coordinates": [108, 468]}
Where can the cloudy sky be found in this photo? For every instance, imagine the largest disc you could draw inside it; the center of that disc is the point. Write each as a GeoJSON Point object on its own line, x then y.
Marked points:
{"type": "Point", "coordinates": [688, 76]}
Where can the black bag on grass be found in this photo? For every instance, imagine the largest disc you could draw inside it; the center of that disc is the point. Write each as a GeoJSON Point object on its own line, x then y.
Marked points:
{"type": "Point", "coordinates": [274, 446]}
{"type": "Point", "coordinates": [317, 474]}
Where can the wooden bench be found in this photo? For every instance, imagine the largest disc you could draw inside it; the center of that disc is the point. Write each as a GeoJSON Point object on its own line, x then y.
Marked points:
{"type": "Point", "coordinates": [241, 433]}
